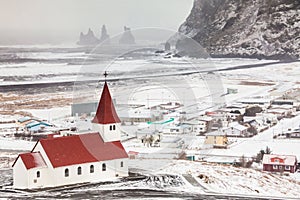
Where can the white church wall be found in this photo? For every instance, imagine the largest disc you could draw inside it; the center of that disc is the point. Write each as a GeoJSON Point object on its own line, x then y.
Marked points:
{"type": "Point", "coordinates": [20, 175]}
{"type": "Point", "coordinates": [43, 180]}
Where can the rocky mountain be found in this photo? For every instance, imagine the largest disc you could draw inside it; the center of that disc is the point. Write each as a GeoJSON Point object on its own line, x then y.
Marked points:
{"type": "Point", "coordinates": [243, 28]}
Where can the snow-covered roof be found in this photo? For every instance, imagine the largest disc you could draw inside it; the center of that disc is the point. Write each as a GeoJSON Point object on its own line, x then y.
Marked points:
{"type": "Point", "coordinates": [240, 127]}
{"type": "Point", "coordinates": [279, 159]}
{"type": "Point", "coordinates": [237, 126]}
{"type": "Point", "coordinates": [24, 119]}
{"type": "Point", "coordinates": [205, 118]}
{"type": "Point", "coordinates": [216, 133]}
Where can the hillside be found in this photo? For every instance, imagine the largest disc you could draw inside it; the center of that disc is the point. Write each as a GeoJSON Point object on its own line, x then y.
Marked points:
{"type": "Point", "coordinates": [259, 28]}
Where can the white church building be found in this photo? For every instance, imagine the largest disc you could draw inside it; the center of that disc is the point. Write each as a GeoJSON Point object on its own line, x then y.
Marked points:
{"type": "Point", "coordinates": [82, 158]}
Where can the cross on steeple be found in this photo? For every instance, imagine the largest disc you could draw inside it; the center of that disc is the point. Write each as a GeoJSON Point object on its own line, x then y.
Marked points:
{"type": "Point", "coordinates": [105, 74]}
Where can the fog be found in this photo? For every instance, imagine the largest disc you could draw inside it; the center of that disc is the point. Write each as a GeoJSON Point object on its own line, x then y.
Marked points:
{"type": "Point", "coordinates": [61, 21]}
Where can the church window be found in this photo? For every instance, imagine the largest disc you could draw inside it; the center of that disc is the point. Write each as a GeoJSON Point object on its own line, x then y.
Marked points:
{"type": "Point", "coordinates": [122, 164]}
{"type": "Point", "coordinates": [66, 172]}
{"type": "Point", "coordinates": [92, 169]}
{"type": "Point", "coordinates": [103, 167]}
{"type": "Point", "coordinates": [79, 171]}
{"type": "Point", "coordinates": [38, 174]}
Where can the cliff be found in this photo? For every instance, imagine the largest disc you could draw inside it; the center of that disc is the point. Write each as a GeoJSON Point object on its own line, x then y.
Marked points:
{"type": "Point", "coordinates": [243, 28]}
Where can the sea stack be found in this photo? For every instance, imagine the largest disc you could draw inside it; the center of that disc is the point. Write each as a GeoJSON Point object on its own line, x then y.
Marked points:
{"type": "Point", "coordinates": [127, 37]}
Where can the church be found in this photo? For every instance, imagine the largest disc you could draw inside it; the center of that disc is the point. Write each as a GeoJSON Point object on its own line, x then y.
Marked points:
{"type": "Point", "coordinates": [82, 158]}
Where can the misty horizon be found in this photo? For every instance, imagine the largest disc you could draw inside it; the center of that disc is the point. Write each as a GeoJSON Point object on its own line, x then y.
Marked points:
{"type": "Point", "coordinates": [59, 22]}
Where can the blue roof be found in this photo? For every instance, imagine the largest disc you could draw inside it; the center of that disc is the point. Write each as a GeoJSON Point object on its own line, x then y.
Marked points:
{"type": "Point", "coordinates": [23, 119]}
{"type": "Point", "coordinates": [37, 127]}
{"type": "Point", "coordinates": [36, 123]}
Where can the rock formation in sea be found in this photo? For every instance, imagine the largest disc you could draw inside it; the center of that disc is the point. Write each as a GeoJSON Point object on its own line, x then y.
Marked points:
{"type": "Point", "coordinates": [127, 37]}
{"type": "Point", "coordinates": [88, 39]}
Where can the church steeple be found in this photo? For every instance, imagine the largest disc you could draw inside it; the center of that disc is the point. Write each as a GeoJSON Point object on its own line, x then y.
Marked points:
{"type": "Point", "coordinates": [106, 120]}
{"type": "Point", "coordinates": [106, 113]}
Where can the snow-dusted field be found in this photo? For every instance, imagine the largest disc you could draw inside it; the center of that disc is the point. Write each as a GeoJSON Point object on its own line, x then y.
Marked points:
{"type": "Point", "coordinates": [151, 80]}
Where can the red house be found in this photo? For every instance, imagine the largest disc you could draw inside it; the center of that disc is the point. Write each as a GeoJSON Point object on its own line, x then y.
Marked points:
{"type": "Point", "coordinates": [279, 163]}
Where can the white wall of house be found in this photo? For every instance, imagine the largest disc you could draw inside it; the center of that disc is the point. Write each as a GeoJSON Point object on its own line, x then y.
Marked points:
{"type": "Point", "coordinates": [109, 132]}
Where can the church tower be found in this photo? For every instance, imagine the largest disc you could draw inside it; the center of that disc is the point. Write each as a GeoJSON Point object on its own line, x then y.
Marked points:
{"type": "Point", "coordinates": [106, 120]}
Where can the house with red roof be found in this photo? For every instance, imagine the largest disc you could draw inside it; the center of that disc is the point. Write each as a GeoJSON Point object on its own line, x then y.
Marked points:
{"type": "Point", "coordinates": [82, 158]}
{"type": "Point", "coordinates": [279, 163]}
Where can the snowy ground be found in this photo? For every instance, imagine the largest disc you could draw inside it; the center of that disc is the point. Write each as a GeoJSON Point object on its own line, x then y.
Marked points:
{"type": "Point", "coordinates": [197, 91]}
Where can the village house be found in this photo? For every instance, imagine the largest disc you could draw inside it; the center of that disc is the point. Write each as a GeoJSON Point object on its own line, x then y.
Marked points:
{"type": "Point", "coordinates": [219, 119]}
{"type": "Point", "coordinates": [235, 129]}
{"type": "Point", "coordinates": [260, 101]}
{"type": "Point", "coordinates": [204, 124]}
{"type": "Point", "coordinates": [88, 157]}
{"type": "Point", "coordinates": [177, 129]}
{"type": "Point", "coordinates": [279, 163]}
{"type": "Point", "coordinates": [216, 139]}
{"type": "Point", "coordinates": [139, 115]}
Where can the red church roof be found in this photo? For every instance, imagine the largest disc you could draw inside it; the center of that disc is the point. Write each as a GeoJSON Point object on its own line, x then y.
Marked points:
{"type": "Point", "coordinates": [106, 113]}
{"type": "Point", "coordinates": [79, 149]}
{"type": "Point", "coordinates": [32, 160]}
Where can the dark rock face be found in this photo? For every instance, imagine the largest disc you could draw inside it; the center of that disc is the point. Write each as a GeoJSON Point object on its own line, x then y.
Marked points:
{"type": "Point", "coordinates": [88, 39]}
{"type": "Point", "coordinates": [243, 28]}
{"type": "Point", "coordinates": [127, 37]}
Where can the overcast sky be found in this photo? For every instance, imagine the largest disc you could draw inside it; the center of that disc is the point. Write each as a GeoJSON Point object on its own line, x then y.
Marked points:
{"type": "Point", "coordinates": [62, 20]}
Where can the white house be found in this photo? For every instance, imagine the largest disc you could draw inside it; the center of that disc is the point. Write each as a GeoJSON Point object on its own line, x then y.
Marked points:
{"type": "Point", "coordinates": [82, 158]}
{"type": "Point", "coordinates": [236, 130]}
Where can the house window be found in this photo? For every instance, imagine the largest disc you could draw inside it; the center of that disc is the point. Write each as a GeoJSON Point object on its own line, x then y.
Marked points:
{"type": "Point", "coordinates": [276, 160]}
{"type": "Point", "coordinates": [38, 174]}
{"type": "Point", "coordinates": [79, 171]}
{"type": "Point", "coordinates": [122, 164]}
{"type": "Point", "coordinates": [67, 172]}
{"type": "Point", "coordinates": [280, 167]}
{"type": "Point", "coordinates": [287, 167]}
{"type": "Point", "coordinates": [92, 169]}
{"type": "Point", "coordinates": [275, 167]}
{"type": "Point", "coordinates": [110, 127]}
{"type": "Point", "coordinates": [103, 167]}
{"type": "Point", "coordinates": [114, 127]}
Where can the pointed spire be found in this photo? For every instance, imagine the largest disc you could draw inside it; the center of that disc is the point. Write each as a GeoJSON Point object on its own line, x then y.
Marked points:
{"type": "Point", "coordinates": [106, 113]}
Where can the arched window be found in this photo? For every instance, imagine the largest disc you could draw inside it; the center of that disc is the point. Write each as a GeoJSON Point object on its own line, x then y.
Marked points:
{"type": "Point", "coordinates": [66, 172]}
{"type": "Point", "coordinates": [103, 167]}
{"type": "Point", "coordinates": [110, 127]}
{"type": "Point", "coordinates": [114, 127]}
{"type": "Point", "coordinates": [122, 164]}
{"type": "Point", "coordinates": [92, 169]}
{"type": "Point", "coordinates": [38, 174]}
{"type": "Point", "coordinates": [79, 171]}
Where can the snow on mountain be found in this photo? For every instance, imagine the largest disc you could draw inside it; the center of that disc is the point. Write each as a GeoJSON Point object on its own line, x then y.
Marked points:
{"type": "Point", "coordinates": [260, 28]}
